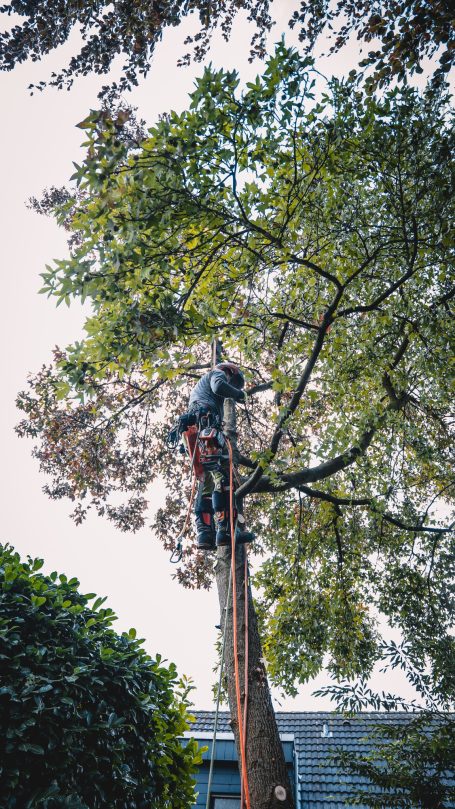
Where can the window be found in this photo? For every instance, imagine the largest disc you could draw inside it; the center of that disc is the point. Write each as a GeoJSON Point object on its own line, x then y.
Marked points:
{"type": "Point", "coordinates": [226, 802]}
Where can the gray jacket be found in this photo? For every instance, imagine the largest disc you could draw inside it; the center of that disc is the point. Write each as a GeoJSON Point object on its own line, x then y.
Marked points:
{"type": "Point", "coordinates": [211, 391]}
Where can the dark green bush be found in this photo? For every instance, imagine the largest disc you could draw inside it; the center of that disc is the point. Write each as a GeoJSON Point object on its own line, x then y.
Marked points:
{"type": "Point", "coordinates": [87, 718]}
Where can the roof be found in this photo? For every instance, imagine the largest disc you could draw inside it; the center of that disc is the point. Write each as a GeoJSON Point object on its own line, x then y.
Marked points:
{"type": "Point", "coordinates": [316, 736]}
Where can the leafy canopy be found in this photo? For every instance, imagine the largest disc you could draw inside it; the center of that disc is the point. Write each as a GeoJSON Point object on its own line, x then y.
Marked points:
{"type": "Point", "coordinates": [400, 33]}
{"type": "Point", "coordinates": [308, 226]}
{"type": "Point", "coordinates": [89, 719]}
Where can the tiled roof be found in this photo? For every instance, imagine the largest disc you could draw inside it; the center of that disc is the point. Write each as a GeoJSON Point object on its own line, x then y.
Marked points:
{"type": "Point", "coordinates": [322, 785]}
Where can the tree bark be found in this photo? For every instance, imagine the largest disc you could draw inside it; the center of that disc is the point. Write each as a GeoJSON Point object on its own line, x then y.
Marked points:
{"type": "Point", "coordinates": [269, 786]}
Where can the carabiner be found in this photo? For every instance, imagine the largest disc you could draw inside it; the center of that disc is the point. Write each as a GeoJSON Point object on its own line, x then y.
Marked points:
{"type": "Point", "coordinates": [177, 553]}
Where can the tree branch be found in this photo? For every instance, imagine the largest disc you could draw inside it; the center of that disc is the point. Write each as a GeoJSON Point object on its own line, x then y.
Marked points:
{"type": "Point", "coordinates": [250, 484]}
{"type": "Point", "coordinates": [392, 288]}
{"type": "Point", "coordinates": [369, 503]}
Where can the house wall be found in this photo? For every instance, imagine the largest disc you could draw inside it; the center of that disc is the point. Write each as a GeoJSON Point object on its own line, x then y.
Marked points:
{"type": "Point", "coordinates": [226, 776]}
{"type": "Point", "coordinates": [225, 781]}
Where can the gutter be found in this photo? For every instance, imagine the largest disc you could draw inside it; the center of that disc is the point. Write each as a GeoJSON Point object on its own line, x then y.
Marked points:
{"type": "Point", "coordinates": [226, 735]}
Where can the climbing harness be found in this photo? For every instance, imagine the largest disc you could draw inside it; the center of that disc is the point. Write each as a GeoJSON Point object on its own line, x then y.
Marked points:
{"type": "Point", "coordinates": [211, 444]}
{"type": "Point", "coordinates": [200, 435]}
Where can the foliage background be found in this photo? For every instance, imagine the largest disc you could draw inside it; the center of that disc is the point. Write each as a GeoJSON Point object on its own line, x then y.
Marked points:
{"type": "Point", "coordinates": [359, 242]}
{"type": "Point", "coordinates": [29, 329]}
{"type": "Point", "coordinates": [89, 718]}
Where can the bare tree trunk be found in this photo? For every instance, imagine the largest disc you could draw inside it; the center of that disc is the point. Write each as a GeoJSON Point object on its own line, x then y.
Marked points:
{"type": "Point", "coordinates": [269, 785]}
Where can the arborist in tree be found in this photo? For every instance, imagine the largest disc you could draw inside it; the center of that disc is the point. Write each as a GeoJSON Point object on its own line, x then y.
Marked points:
{"type": "Point", "coordinates": [204, 440]}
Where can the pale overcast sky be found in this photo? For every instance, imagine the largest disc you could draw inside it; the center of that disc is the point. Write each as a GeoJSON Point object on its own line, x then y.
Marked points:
{"type": "Point", "coordinates": [38, 142]}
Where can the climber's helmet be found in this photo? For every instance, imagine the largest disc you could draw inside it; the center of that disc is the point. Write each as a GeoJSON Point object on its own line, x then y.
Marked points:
{"type": "Point", "coordinates": [233, 373]}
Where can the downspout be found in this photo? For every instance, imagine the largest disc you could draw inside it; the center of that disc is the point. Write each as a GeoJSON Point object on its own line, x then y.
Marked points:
{"type": "Point", "coordinates": [296, 781]}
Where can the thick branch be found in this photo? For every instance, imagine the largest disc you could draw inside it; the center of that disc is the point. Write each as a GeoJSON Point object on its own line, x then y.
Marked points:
{"type": "Point", "coordinates": [368, 502]}
{"type": "Point", "coordinates": [260, 483]}
{"type": "Point", "coordinates": [294, 480]}
{"type": "Point", "coordinates": [297, 321]}
{"type": "Point", "coordinates": [250, 484]}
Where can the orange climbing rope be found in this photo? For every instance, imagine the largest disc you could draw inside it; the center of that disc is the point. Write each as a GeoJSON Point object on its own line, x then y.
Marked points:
{"type": "Point", "coordinates": [242, 728]}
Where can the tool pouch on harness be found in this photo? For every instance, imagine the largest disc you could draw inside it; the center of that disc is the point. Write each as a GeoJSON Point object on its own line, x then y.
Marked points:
{"type": "Point", "coordinates": [202, 437]}
{"type": "Point", "coordinates": [211, 443]}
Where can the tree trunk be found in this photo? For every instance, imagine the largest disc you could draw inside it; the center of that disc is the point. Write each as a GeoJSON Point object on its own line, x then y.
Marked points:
{"type": "Point", "coordinates": [266, 767]}
{"type": "Point", "coordinates": [269, 786]}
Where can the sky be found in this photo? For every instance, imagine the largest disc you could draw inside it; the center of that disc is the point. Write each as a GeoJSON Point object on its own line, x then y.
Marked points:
{"type": "Point", "coordinates": [38, 142]}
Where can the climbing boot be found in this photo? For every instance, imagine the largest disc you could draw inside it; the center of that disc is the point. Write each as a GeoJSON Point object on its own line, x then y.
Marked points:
{"type": "Point", "coordinates": [223, 531]}
{"type": "Point", "coordinates": [242, 536]}
{"type": "Point", "coordinates": [220, 501]}
{"type": "Point", "coordinates": [205, 533]}
{"type": "Point", "coordinates": [204, 523]}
